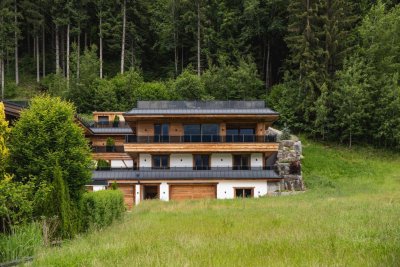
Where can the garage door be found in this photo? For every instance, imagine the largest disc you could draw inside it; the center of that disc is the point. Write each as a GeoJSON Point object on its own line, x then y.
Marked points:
{"type": "Point", "coordinates": [128, 194]}
{"type": "Point", "coordinates": [192, 191]}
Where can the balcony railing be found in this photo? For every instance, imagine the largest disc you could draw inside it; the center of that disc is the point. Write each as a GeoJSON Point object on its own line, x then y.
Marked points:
{"type": "Point", "coordinates": [186, 169]}
{"type": "Point", "coordinates": [239, 138]}
{"type": "Point", "coordinates": [108, 149]}
{"type": "Point", "coordinates": [102, 124]}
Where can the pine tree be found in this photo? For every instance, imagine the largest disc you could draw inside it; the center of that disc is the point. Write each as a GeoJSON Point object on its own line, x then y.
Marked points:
{"type": "Point", "coordinates": [59, 204]}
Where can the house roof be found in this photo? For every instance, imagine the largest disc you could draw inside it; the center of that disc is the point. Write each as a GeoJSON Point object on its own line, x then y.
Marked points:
{"type": "Point", "coordinates": [183, 174]}
{"type": "Point", "coordinates": [201, 107]}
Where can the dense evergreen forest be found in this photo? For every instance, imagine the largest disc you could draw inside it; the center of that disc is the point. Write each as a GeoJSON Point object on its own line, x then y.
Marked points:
{"type": "Point", "coordinates": [330, 67]}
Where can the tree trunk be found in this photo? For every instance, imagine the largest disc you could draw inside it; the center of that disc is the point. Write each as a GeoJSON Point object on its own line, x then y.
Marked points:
{"type": "Point", "coordinates": [57, 52]}
{"type": "Point", "coordinates": [101, 48]}
{"type": "Point", "coordinates": [34, 47]}
{"type": "Point", "coordinates": [68, 55]}
{"type": "Point", "coordinates": [133, 54]}
{"type": "Point", "coordinates": [62, 43]}
{"type": "Point", "coordinates": [78, 57]}
{"type": "Point", "coordinates": [267, 67]}
{"type": "Point", "coordinates": [182, 58]}
{"type": "Point", "coordinates": [123, 38]}
{"type": "Point", "coordinates": [37, 59]}
{"type": "Point", "coordinates": [198, 39]}
{"type": "Point", "coordinates": [2, 76]}
{"type": "Point", "coordinates": [85, 37]}
{"type": "Point", "coordinates": [43, 51]}
{"type": "Point", "coordinates": [175, 40]}
{"type": "Point", "coordinates": [16, 44]}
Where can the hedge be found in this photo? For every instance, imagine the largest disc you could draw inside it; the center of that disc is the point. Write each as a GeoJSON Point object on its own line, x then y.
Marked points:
{"type": "Point", "coordinates": [101, 208]}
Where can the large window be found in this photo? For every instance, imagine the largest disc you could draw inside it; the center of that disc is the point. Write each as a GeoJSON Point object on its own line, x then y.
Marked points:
{"type": "Point", "coordinates": [201, 132]}
{"type": "Point", "coordinates": [244, 192]}
{"type": "Point", "coordinates": [201, 162]}
{"type": "Point", "coordinates": [160, 162]}
{"type": "Point", "coordinates": [161, 132]}
{"type": "Point", "coordinates": [241, 162]}
{"type": "Point", "coordinates": [240, 134]}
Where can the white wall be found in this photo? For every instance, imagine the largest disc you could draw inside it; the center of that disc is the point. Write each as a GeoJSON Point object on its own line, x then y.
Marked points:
{"type": "Point", "coordinates": [225, 189]}
{"type": "Point", "coordinates": [181, 160]}
{"type": "Point", "coordinates": [221, 160]}
{"type": "Point", "coordinates": [164, 191]}
{"type": "Point", "coordinates": [145, 160]}
{"type": "Point", "coordinates": [98, 188]}
{"type": "Point", "coordinates": [256, 160]}
{"type": "Point", "coordinates": [121, 163]}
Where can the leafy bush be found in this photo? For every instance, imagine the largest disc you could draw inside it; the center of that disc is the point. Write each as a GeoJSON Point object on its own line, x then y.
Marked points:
{"type": "Point", "coordinates": [23, 242]}
{"type": "Point", "coordinates": [101, 208]}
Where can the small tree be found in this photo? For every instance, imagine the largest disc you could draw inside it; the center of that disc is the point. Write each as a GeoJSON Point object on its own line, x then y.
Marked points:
{"type": "Point", "coordinates": [110, 144]}
{"type": "Point", "coordinates": [45, 136]}
{"type": "Point", "coordinates": [60, 204]}
{"type": "Point", "coordinates": [4, 133]}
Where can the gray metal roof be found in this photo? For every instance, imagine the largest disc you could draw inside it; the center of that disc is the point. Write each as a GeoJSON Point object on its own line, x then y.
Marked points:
{"type": "Point", "coordinates": [190, 174]}
{"type": "Point", "coordinates": [201, 107]}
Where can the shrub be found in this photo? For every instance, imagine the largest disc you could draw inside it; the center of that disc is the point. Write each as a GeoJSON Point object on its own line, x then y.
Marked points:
{"type": "Point", "coordinates": [101, 208]}
{"type": "Point", "coordinates": [103, 165]}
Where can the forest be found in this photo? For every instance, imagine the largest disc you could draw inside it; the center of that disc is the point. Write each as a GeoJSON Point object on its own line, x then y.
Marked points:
{"type": "Point", "coordinates": [331, 68]}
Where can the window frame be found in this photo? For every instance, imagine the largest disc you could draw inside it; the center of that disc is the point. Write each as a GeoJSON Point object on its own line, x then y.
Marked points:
{"type": "Point", "coordinates": [160, 167]}
{"type": "Point", "coordinates": [243, 189]}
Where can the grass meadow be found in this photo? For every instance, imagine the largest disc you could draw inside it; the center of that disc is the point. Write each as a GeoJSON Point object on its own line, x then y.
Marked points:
{"type": "Point", "coordinates": [349, 216]}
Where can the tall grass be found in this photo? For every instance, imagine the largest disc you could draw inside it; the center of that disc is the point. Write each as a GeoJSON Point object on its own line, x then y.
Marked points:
{"type": "Point", "coordinates": [23, 242]}
{"type": "Point", "coordinates": [349, 217]}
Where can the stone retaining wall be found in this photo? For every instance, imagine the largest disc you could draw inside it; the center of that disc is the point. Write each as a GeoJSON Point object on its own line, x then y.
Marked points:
{"type": "Point", "coordinates": [289, 165]}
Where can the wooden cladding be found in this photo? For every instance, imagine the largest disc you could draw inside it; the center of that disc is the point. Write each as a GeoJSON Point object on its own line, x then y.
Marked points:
{"type": "Point", "coordinates": [192, 191]}
{"type": "Point", "coordinates": [200, 147]}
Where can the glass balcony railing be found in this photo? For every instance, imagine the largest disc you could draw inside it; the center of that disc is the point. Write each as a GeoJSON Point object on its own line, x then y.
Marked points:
{"type": "Point", "coordinates": [204, 138]}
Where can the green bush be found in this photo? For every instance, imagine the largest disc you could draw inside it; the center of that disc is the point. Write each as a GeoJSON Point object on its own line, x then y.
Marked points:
{"type": "Point", "coordinates": [103, 165]}
{"type": "Point", "coordinates": [101, 208]}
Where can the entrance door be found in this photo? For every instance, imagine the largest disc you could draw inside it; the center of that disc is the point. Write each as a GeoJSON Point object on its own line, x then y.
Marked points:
{"type": "Point", "coordinates": [151, 191]}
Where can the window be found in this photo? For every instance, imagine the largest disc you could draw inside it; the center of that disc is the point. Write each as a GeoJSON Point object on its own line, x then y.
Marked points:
{"type": "Point", "coordinates": [240, 134]}
{"type": "Point", "coordinates": [241, 162]}
{"type": "Point", "coordinates": [160, 162]}
{"type": "Point", "coordinates": [201, 132]}
{"type": "Point", "coordinates": [161, 132]}
{"type": "Point", "coordinates": [201, 162]}
{"type": "Point", "coordinates": [244, 192]}
{"type": "Point", "coordinates": [103, 120]}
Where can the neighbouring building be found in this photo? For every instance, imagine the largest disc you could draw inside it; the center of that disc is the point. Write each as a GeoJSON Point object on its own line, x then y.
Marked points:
{"type": "Point", "coordinates": [178, 150]}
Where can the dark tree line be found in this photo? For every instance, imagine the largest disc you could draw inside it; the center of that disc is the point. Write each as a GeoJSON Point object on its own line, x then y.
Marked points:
{"type": "Point", "coordinates": [314, 61]}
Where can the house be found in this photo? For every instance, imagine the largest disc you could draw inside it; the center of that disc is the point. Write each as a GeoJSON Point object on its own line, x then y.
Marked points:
{"type": "Point", "coordinates": [176, 150]}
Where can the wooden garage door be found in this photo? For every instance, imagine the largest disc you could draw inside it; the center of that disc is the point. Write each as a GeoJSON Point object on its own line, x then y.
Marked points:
{"type": "Point", "coordinates": [192, 191]}
{"type": "Point", "coordinates": [128, 194]}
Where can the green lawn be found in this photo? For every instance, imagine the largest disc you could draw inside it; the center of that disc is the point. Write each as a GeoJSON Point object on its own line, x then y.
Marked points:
{"type": "Point", "coordinates": [349, 217]}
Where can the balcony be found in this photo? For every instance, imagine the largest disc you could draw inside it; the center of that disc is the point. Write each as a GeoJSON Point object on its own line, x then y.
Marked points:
{"type": "Point", "coordinates": [201, 144]}
{"type": "Point", "coordinates": [185, 173]}
{"type": "Point", "coordinates": [243, 138]}
{"type": "Point", "coordinates": [108, 149]}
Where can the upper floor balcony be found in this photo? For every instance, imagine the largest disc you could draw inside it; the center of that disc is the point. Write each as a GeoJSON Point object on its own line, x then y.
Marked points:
{"type": "Point", "coordinates": [203, 138]}
{"type": "Point", "coordinates": [200, 143]}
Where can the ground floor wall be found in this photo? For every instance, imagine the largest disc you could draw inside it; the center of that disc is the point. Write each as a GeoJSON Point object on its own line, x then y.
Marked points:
{"type": "Point", "coordinates": [192, 189]}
